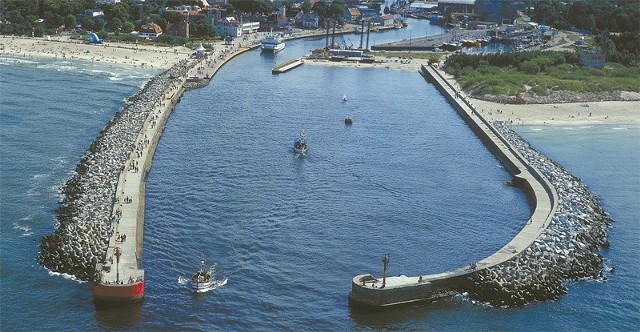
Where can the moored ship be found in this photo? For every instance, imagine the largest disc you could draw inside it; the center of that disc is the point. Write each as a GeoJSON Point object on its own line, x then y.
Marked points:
{"type": "Point", "coordinates": [272, 43]}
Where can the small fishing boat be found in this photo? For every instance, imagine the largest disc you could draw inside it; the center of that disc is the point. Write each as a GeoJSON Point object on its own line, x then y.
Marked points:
{"type": "Point", "coordinates": [344, 97]}
{"type": "Point", "coordinates": [300, 144]}
{"type": "Point", "coordinates": [348, 120]}
{"type": "Point", "coordinates": [202, 280]}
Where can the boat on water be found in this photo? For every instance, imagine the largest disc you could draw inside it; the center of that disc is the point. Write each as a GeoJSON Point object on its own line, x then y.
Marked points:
{"type": "Point", "coordinates": [344, 97]}
{"type": "Point", "coordinates": [272, 43]}
{"type": "Point", "coordinates": [300, 144]}
{"type": "Point", "coordinates": [348, 121]}
{"type": "Point", "coordinates": [202, 280]}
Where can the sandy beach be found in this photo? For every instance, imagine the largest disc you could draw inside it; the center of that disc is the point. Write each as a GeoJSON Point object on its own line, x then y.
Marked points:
{"type": "Point", "coordinates": [394, 63]}
{"type": "Point", "coordinates": [592, 113]}
{"type": "Point", "coordinates": [560, 114]}
{"type": "Point", "coordinates": [64, 48]}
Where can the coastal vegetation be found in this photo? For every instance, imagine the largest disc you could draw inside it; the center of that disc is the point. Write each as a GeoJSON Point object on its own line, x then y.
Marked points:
{"type": "Point", "coordinates": [117, 20]}
{"type": "Point", "coordinates": [613, 23]}
{"type": "Point", "coordinates": [591, 15]}
{"type": "Point", "coordinates": [538, 73]}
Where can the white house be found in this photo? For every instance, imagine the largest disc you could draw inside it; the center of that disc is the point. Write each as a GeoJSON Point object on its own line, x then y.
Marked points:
{"type": "Point", "coordinates": [150, 30]}
{"type": "Point", "coordinates": [229, 27]}
{"type": "Point", "coordinates": [93, 12]}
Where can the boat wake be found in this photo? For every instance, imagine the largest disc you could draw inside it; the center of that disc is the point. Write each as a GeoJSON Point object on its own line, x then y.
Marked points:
{"type": "Point", "coordinates": [217, 283]}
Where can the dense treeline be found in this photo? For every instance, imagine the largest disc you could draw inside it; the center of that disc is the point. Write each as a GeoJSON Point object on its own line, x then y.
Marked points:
{"type": "Point", "coordinates": [592, 15]}
{"type": "Point", "coordinates": [615, 23]}
{"type": "Point", "coordinates": [42, 17]}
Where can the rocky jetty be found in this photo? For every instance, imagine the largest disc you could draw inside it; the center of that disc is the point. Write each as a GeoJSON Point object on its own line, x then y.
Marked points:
{"type": "Point", "coordinates": [85, 215]}
{"type": "Point", "coordinates": [569, 249]}
{"type": "Point", "coordinates": [562, 96]}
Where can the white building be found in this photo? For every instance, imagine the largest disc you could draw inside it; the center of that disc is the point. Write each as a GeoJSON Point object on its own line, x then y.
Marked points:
{"type": "Point", "coordinates": [231, 27]}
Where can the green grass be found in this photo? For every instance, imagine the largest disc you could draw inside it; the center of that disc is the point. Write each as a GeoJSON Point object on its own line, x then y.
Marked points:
{"type": "Point", "coordinates": [509, 81]}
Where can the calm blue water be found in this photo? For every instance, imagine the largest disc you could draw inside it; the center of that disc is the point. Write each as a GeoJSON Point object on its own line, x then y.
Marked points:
{"type": "Point", "coordinates": [408, 179]}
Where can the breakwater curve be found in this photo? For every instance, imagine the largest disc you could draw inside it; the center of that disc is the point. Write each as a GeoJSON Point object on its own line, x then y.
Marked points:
{"type": "Point", "coordinates": [103, 202]}
{"type": "Point", "coordinates": [559, 241]}
{"type": "Point", "coordinates": [99, 231]}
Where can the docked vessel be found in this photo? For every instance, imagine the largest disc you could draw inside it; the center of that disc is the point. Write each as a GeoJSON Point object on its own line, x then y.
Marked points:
{"type": "Point", "coordinates": [202, 280]}
{"type": "Point", "coordinates": [272, 43]}
{"type": "Point", "coordinates": [300, 144]}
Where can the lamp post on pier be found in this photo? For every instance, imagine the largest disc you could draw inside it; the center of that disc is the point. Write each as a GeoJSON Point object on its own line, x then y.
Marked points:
{"type": "Point", "coordinates": [117, 252]}
{"type": "Point", "coordinates": [385, 261]}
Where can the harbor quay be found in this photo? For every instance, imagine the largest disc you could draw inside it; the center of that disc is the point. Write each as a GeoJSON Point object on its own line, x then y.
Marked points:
{"type": "Point", "coordinates": [432, 42]}
{"type": "Point", "coordinates": [101, 215]}
{"type": "Point", "coordinates": [560, 241]}
{"type": "Point", "coordinates": [121, 277]}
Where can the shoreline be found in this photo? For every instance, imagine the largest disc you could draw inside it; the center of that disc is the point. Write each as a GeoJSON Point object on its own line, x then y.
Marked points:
{"type": "Point", "coordinates": [618, 112]}
{"type": "Point", "coordinates": [66, 49]}
{"type": "Point", "coordinates": [159, 57]}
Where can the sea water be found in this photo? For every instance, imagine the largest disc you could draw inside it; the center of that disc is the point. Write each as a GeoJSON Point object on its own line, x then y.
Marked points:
{"type": "Point", "coordinates": [408, 179]}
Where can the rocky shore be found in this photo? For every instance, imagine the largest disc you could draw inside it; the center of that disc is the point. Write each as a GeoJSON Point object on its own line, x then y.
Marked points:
{"type": "Point", "coordinates": [555, 97]}
{"type": "Point", "coordinates": [569, 249]}
{"type": "Point", "coordinates": [86, 215]}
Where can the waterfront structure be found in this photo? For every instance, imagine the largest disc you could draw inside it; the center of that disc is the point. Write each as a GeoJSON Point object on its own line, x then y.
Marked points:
{"type": "Point", "coordinates": [372, 293]}
{"type": "Point", "coordinates": [593, 58]}
{"type": "Point", "coordinates": [448, 7]}
{"type": "Point", "coordinates": [309, 21]}
{"type": "Point", "coordinates": [232, 27]}
{"type": "Point", "coordinates": [150, 30]}
{"type": "Point", "coordinates": [384, 20]}
{"type": "Point", "coordinates": [498, 11]}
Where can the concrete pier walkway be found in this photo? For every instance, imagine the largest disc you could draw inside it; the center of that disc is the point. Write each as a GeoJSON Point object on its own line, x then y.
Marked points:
{"type": "Point", "coordinates": [370, 292]}
{"type": "Point", "coordinates": [124, 254]}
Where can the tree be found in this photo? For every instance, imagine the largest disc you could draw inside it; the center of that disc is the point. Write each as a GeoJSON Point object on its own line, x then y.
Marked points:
{"type": "Point", "coordinates": [157, 19]}
{"type": "Point", "coordinates": [253, 6]}
{"type": "Point", "coordinates": [39, 30]}
{"type": "Point", "coordinates": [229, 10]}
{"type": "Point", "coordinates": [70, 21]}
{"type": "Point", "coordinates": [173, 17]}
{"type": "Point", "coordinates": [53, 20]}
{"type": "Point", "coordinates": [128, 26]}
{"type": "Point", "coordinates": [530, 67]}
{"type": "Point", "coordinates": [336, 11]}
{"type": "Point", "coordinates": [115, 24]}
{"type": "Point", "coordinates": [87, 24]}
{"type": "Point", "coordinates": [202, 27]}
{"type": "Point", "coordinates": [375, 6]}
{"type": "Point", "coordinates": [387, 10]}
{"type": "Point", "coordinates": [321, 8]}
{"type": "Point", "coordinates": [306, 6]}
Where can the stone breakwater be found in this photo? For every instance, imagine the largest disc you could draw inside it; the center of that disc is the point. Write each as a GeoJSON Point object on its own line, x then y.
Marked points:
{"type": "Point", "coordinates": [85, 214]}
{"type": "Point", "coordinates": [569, 249]}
